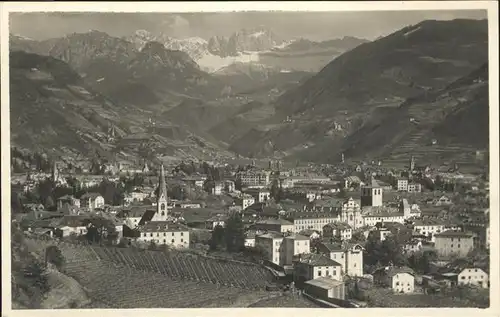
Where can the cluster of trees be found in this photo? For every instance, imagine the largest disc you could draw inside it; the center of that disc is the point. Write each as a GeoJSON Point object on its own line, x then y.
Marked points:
{"type": "Point", "coordinates": [100, 231]}
{"type": "Point", "coordinates": [383, 253]}
{"type": "Point", "coordinates": [231, 237]}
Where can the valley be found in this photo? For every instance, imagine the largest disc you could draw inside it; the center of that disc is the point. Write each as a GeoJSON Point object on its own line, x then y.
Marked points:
{"type": "Point", "coordinates": [301, 100]}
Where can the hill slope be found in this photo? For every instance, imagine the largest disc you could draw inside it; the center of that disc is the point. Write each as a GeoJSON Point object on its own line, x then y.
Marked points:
{"type": "Point", "coordinates": [366, 83]}
{"type": "Point", "coordinates": [54, 111]}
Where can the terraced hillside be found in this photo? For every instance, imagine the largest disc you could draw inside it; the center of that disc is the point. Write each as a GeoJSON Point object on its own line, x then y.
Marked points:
{"type": "Point", "coordinates": [456, 118]}
{"type": "Point", "coordinates": [127, 278]}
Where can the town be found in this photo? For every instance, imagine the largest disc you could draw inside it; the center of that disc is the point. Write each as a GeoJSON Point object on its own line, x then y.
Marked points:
{"type": "Point", "coordinates": [357, 234]}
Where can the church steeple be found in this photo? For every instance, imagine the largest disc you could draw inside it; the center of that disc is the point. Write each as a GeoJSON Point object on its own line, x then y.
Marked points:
{"type": "Point", "coordinates": [161, 199]}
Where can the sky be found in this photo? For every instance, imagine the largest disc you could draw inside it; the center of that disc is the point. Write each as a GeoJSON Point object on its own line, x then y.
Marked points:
{"type": "Point", "coordinates": [311, 25]}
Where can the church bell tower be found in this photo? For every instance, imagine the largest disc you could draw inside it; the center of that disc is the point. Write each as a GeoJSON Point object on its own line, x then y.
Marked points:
{"type": "Point", "coordinates": [161, 199]}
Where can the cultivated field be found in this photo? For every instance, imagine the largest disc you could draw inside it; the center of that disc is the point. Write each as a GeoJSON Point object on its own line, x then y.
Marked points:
{"type": "Point", "coordinates": [131, 278]}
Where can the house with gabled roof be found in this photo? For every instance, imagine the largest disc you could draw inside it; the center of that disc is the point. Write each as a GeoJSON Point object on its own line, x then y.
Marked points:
{"type": "Point", "coordinates": [311, 266]}
{"type": "Point", "coordinates": [399, 279]}
{"type": "Point", "coordinates": [349, 255]}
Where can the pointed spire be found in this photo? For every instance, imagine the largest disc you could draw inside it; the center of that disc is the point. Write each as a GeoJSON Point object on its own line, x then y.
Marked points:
{"type": "Point", "coordinates": [162, 191]}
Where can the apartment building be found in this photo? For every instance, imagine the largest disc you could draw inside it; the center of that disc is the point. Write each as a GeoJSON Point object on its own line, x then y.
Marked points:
{"type": "Point", "coordinates": [452, 242]}
{"type": "Point", "coordinates": [164, 232]}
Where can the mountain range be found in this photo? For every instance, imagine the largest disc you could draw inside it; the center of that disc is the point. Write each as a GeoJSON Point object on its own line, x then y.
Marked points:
{"type": "Point", "coordinates": [411, 91]}
{"type": "Point", "coordinates": [365, 85]}
{"type": "Point", "coordinates": [258, 45]}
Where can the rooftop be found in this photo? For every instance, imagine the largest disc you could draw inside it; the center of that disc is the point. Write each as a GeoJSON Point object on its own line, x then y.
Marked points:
{"type": "Point", "coordinates": [271, 235]}
{"type": "Point", "coordinates": [325, 282]}
{"type": "Point", "coordinates": [316, 260]}
{"type": "Point", "coordinates": [453, 234]}
{"type": "Point", "coordinates": [162, 226]}
{"type": "Point", "coordinates": [297, 237]}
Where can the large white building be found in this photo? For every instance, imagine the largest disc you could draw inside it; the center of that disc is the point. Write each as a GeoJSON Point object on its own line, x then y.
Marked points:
{"type": "Point", "coordinates": [92, 201]}
{"type": "Point", "coordinates": [294, 245]}
{"type": "Point", "coordinates": [350, 256]}
{"type": "Point", "coordinates": [312, 266]}
{"type": "Point", "coordinates": [165, 232]}
{"type": "Point", "coordinates": [454, 243]}
{"type": "Point", "coordinates": [271, 243]}
{"type": "Point", "coordinates": [253, 178]}
{"type": "Point", "coordinates": [473, 276]}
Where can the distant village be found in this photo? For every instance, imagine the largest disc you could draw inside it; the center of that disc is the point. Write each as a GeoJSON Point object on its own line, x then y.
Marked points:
{"type": "Point", "coordinates": [417, 229]}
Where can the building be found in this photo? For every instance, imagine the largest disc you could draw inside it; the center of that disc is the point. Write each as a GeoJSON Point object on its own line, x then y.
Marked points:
{"type": "Point", "coordinates": [162, 207]}
{"type": "Point", "coordinates": [373, 218]}
{"type": "Point", "coordinates": [277, 225]}
{"type": "Point", "coordinates": [371, 195]}
{"type": "Point", "coordinates": [71, 225]}
{"type": "Point", "coordinates": [164, 232]}
{"type": "Point", "coordinates": [351, 213]}
{"type": "Point", "coordinates": [311, 234]}
{"type": "Point", "coordinates": [217, 189]}
{"type": "Point", "coordinates": [245, 201]}
{"type": "Point", "coordinates": [250, 239]}
{"type": "Point", "coordinates": [473, 276]}
{"type": "Point", "coordinates": [414, 187]}
{"type": "Point", "coordinates": [349, 255]}
{"type": "Point", "coordinates": [294, 245]}
{"type": "Point", "coordinates": [412, 246]}
{"type": "Point", "coordinates": [312, 266]}
{"type": "Point", "coordinates": [408, 210]}
{"type": "Point", "coordinates": [260, 195]}
{"type": "Point", "coordinates": [67, 201]}
{"type": "Point", "coordinates": [271, 245]}
{"type": "Point", "coordinates": [402, 184]}
{"type": "Point", "coordinates": [399, 279]}
{"type": "Point", "coordinates": [218, 220]}
{"type": "Point", "coordinates": [309, 220]}
{"type": "Point", "coordinates": [430, 228]}
{"type": "Point", "coordinates": [254, 178]}
{"type": "Point", "coordinates": [92, 201]}
{"type": "Point", "coordinates": [339, 230]}
{"type": "Point", "coordinates": [325, 288]}
{"type": "Point", "coordinates": [452, 242]}
{"type": "Point", "coordinates": [229, 186]}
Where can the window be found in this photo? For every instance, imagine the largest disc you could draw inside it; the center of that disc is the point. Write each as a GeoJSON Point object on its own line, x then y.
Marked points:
{"type": "Point", "coordinates": [164, 241]}
{"type": "Point", "coordinates": [475, 270]}
{"type": "Point", "coordinates": [182, 240]}
{"type": "Point", "coordinates": [354, 264]}
{"type": "Point", "coordinates": [459, 247]}
{"type": "Point", "coordinates": [319, 273]}
{"type": "Point", "coordinates": [463, 277]}
{"type": "Point", "coordinates": [452, 245]}
{"type": "Point", "coordinates": [151, 234]}
{"type": "Point", "coordinates": [182, 234]}
{"type": "Point", "coordinates": [469, 277]}
{"type": "Point", "coordinates": [327, 273]}
{"type": "Point", "coordinates": [157, 234]}
{"type": "Point", "coordinates": [397, 283]}
{"type": "Point", "coordinates": [164, 234]}
{"type": "Point", "coordinates": [173, 240]}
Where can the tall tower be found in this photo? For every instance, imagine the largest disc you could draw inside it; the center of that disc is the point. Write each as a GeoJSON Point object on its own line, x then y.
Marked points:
{"type": "Point", "coordinates": [55, 173]}
{"type": "Point", "coordinates": [371, 195]}
{"type": "Point", "coordinates": [412, 163]}
{"type": "Point", "coordinates": [161, 199]}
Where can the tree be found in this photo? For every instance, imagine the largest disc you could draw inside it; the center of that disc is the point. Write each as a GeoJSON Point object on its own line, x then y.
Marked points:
{"type": "Point", "coordinates": [49, 203]}
{"type": "Point", "coordinates": [276, 191]}
{"type": "Point", "coordinates": [235, 234]}
{"type": "Point", "coordinates": [54, 255]}
{"type": "Point", "coordinates": [100, 230]}
{"type": "Point", "coordinates": [15, 202]}
{"type": "Point", "coordinates": [218, 238]}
